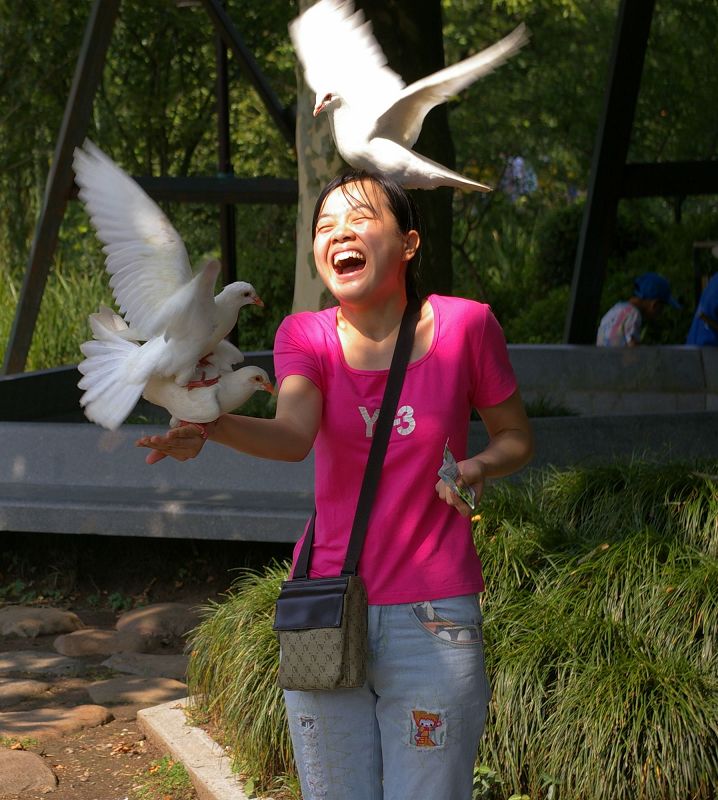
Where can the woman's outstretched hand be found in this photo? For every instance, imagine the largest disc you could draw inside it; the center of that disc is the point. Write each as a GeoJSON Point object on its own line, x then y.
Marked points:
{"type": "Point", "coordinates": [180, 443]}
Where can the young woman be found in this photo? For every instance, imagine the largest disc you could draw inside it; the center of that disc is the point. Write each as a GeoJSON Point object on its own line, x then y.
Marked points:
{"type": "Point", "coordinates": [413, 729]}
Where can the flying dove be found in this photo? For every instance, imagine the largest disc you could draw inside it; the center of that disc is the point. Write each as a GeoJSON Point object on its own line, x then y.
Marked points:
{"type": "Point", "coordinates": [111, 351]}
{"type": "Point", "coordinates": [177, 315]}
{"type": "Point", "coordinates": [375, 119]}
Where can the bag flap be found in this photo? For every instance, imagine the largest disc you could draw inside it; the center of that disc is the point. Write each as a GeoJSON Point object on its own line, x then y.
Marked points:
{"type": "Point", "coordinates": [310, 603]}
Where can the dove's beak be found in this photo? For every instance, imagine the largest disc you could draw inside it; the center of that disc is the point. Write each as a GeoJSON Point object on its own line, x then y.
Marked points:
{"type": "Point", "coordinates": [258, 302]}
{"type": "Point", "coordinates": [318, 109]}
{"type": "Point", "coordinates": [267, 386]}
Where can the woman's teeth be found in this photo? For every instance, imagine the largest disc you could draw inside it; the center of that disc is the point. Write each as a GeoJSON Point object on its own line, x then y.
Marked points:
{"type": "Point", "coordinates": [348, 261]}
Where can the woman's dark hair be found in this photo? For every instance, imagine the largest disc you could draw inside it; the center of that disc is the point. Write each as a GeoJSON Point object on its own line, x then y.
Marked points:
{"type": "Point", "coordinates": [400, 202]}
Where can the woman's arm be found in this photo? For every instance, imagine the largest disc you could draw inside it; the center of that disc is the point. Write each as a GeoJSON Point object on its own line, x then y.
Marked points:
{"type": "Point", "coordinates": [287, 437]}
{"type": "Point", "coordinates": [510, 447]}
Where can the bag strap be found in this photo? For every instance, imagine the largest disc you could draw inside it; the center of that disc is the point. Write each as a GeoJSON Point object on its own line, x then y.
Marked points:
{"type": "Point", "coordinates": [380, 441]}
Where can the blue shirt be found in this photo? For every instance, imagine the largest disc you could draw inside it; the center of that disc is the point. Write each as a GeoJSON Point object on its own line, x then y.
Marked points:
{"type": "Point", "coordinates": [700, 332]}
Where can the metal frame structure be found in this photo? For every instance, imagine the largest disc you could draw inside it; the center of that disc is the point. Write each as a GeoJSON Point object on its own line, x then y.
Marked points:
{"type": "Point", "coordinates": [225, 189]}
{"type": "Point", "coordinates": [612, 178]}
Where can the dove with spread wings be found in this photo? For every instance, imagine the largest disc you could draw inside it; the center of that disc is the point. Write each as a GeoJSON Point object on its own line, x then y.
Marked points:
{"type": "Point", "coordinates": [111, 347]}
{"type": "Point", "coordinates": [374, 117]}
{"type": "Point", "coordinates": [174, 312]}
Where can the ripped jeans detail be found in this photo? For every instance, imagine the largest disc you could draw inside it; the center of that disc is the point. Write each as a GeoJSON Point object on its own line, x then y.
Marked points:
{"type": "Point", "coordinates": [311, 757]}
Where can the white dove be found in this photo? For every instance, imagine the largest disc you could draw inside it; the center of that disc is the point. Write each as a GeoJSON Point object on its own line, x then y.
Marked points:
{"type": "Point", "coordinates": [112, 352]}
{"type": "Point", "coordinates": [175, 312]}
{"type": "Point", "coordinates": [375, 119]}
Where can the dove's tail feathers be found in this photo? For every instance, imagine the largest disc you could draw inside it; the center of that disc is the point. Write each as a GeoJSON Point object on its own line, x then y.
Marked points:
{"type": "Point", "coordinates": [108, 396]}
{"type": "Point", "coordinates": [112, 409]}
{"type": "Point", "coordinates": [431, 174]}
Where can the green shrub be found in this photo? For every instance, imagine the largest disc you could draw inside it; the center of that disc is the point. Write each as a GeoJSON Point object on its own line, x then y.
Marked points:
{"type": "Point", "coordinates": [601, 624]}
{"type": "Point", "coordinates": [541, 319]}
{"type": "Point", "coordinates": [556, 244]}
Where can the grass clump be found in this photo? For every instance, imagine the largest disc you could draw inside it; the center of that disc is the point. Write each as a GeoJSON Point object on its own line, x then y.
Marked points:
{"type": "Point", "coordinates": [601, 631]}
{"type": "Point", "coordinates": [18, 743]}
{"type": "Point", "coordinates": [233, 676]}
{"type": "Point", "coordinates": [164, 778]}
{"type": "Point", "coordinates": [69, 297]}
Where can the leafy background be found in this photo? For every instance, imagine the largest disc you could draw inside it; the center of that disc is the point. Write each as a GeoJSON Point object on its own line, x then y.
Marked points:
{"type": "Point", "coordinates": [154, 114]}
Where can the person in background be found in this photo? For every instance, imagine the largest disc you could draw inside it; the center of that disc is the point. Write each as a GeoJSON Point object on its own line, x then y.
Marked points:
{"type": "Point", "coordinates": [621, 325]}
{"type": "Point", "coordinates": [704, 328]}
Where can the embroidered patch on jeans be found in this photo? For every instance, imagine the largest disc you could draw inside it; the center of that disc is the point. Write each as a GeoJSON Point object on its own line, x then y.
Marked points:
{"type": "Point", "coordinates": [428, 728]}
{"type": "Point", "coordinates": [444, 628]}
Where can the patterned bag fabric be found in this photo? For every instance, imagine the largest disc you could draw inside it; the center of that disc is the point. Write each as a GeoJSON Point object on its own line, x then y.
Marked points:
{"type": "Point", "coordinates": [322, 628]}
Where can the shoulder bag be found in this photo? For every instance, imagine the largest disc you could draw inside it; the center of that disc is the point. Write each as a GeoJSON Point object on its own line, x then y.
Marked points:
{"type": "Point", "coordinates": [322, 622]}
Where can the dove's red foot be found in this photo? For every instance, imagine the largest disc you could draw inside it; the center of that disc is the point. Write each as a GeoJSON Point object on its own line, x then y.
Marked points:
{"type": "Point", "coordinates": [204, 361]}
{"type": "Point", "coordinates": [201, 382]}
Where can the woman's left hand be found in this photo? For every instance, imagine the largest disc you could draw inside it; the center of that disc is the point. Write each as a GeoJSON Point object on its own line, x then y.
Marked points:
{"type": "Point", "coordinates": [473, 474]}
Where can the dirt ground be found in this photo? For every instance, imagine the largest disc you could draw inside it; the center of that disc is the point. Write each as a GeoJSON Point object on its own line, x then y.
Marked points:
{"type": "Point", "coordinates": [98, 578]}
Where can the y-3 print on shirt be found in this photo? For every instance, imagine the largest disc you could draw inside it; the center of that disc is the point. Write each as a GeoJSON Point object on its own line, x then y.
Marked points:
{"type": "Point", "coordinates": [404, 422]}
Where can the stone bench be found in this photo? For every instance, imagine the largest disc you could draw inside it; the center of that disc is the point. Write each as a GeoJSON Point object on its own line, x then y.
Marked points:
{"type": "Point", "coordinates": [581, 378]}
{"type": "Point", "coordinates": [603, 380]}
{"type": "Point", "coordinates": [79, 478]}
{"type": "Point", "coordinates": [61, 475]}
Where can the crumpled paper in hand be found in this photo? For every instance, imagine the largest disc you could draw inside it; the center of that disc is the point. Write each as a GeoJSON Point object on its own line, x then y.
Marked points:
{"type": "Point", "coordinates": [449, 473]}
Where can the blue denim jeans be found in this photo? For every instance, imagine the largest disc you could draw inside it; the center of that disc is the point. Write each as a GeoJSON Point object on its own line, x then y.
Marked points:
{"type": "Point", "coordinates": [413, 729]}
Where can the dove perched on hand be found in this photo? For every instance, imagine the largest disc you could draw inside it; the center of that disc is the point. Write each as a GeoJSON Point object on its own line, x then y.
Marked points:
{"type": "Point", "coordinates": [174, 312]}
{"type": "Point", "coordinates": [375, 119]}
{"type": "Point", "coordinates": [112, 350]}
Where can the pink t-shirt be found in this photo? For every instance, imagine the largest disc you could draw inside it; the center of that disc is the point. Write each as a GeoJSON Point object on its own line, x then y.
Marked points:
{"type": "Point", "coordinates": [417, 548]}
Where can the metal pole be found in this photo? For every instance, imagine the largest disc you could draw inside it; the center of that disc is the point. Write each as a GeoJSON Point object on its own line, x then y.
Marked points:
{"type": "Point", "coordinates": [227, 216]}
{"type": "Point", "coordinates": [283, 117]}
{"type": "Point", "coordinates": [88, 72]}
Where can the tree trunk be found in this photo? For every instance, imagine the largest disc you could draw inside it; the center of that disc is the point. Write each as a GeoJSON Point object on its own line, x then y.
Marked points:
{"type": "Point", "coordinates": [317, 163]}
{"type": "Point", "coordinates": [410, 34]}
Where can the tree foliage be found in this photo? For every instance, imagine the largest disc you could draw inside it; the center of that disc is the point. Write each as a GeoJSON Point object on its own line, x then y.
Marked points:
{"type": "Point", "coordinates": [545, 105]}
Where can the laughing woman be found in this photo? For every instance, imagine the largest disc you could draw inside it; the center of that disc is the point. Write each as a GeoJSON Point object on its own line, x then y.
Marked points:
{"type": "Point", "coordinates": [413, 729]}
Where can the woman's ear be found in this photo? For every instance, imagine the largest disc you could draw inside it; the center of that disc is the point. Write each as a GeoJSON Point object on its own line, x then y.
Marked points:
{"type": "Point", "coordinates": [412, 240]}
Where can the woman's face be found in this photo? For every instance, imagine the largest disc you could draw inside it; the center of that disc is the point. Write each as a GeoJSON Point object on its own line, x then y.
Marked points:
{"type": "Point", "coordinates": [360, 253]}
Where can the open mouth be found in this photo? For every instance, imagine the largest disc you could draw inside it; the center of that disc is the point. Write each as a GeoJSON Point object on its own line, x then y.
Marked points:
{"type": "Point", "coordinates": [348, 261]}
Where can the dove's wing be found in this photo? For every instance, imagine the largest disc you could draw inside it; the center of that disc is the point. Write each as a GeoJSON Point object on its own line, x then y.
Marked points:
{"type": "Point", "coordinates": [145, 255]}
{"type": "Point", "coordinates": [403, 120]}
{"type": "Point", "coordinates": [340, 55]}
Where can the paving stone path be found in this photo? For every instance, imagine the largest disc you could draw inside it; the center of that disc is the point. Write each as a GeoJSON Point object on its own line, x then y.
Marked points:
{"type": "Point", "coordinates": [59, 675]}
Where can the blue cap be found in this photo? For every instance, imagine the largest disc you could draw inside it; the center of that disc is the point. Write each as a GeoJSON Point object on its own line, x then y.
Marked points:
{"type": "Point", "coordinates": [652, 286]}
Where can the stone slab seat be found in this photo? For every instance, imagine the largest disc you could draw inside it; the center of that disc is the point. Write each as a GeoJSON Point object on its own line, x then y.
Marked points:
{"type": "Point", "coordinates": [659, 403]}
{"type": "Point", "coordinates": [79, 478]}
{"type": "Point", "coordinates": [606, 380]}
